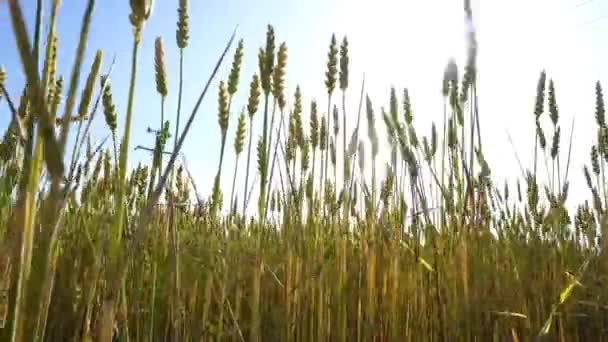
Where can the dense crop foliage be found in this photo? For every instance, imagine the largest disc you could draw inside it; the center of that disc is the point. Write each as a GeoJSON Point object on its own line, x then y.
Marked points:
{"type": "Point", "coordinates": [338, 245]}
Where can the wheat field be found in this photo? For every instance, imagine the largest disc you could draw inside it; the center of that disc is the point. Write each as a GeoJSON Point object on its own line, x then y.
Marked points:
{"type": "Point", "coordinates": [336, 243]}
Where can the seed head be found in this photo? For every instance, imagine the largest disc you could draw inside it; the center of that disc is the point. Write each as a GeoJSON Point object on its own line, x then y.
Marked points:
{"type": "Point", "coordinates": [239, 139]}
{"type": "Point", "coordinates": [371, 127]}
{"type": "Point", "coordinates": [541, 136]}
{"type": "Point", "coordinates": [540, 95]}
{"type": "Point", "coordinates": [450, 76]}
{"type": "Point", "coordinates": [323, 134]}
{"type": "Point", "coordinates": [361, 157]}
{"type": "Point", "coordinates": [603, 144]}
{"type": "Point", "coordinates": [428, 156]}
{"type": "Point", "coordinates": [314, 126]}
{"type": "Point", "coordinates": [109, 109]}
{"type": "Point", "coordinates": [254, 96]}
{"type": "Point", "coordinates": [390, 128]}
{"type": "Point", "coordinates": [394, 107]}
{"type": "Point", "coordinates": [332, 66]}
{"type": "Point", "coordinates": [159, 67]}
{"type": "Point", "coordinates": [304, 162]}
{"type": "Point", "coordinates": [182, 24]}
{"type": "Point", "coordinates": [56, 100]}
{"type": "Point", "coordinates": [413, 137]}
{"type": "Point", "coordinates": [278, 76]}
{"type": "Point", "coordinates": [599, 105]}
{"type": "Point", "coordinates": [297, 118]}
{"type": "Point", "coordinates": [452, 139]}
{"type": "Point", "coordinates": [223, 107]}
{"type": "Point", "coordinates": [553, 111]}
{"type": "Point", "coordinates": [87, 93]}
{"type": "Point", "coordinates": [309, 188]}
{"type": "Point", "coordinates": [555, 144]}
{"type": "Point", "coordinates": [344, 60]}
{"type": "Point", "coordinates": [24, 104]}
{"type": "Point", "coordinates": [261, 156]}
{"type": "Point", "coordinates": [595, 160]}
{"type": "Point", "coordinates": [233, 79]}
{"type": "Point", "coordinates": [140, 11]}
{"type": "Point", "coordinates": [407, 107]}
{"type": "Point", "coordinates": [52, 63]}
{"type": "Point", "coordinates": [352, 144]}
{"type": "Point", "coordinates": [587, 177]}
{"type": "Point", "coordinates": [266, 60]}
{"type": "Point", "coordinates": [332, 151]}
{"type": "Point", "coordinates": [290, 149]}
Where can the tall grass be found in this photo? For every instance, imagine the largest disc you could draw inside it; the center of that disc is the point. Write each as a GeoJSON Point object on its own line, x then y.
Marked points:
{"type": "Point", "coordinates": [424, 247]}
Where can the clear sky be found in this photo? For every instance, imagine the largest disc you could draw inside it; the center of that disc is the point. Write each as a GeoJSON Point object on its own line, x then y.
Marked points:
{"type": "Point", "coordinates": [401, 43]}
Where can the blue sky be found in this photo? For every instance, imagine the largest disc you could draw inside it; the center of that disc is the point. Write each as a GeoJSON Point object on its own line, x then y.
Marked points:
{"type": "Point", "coordinates": [395, 43]}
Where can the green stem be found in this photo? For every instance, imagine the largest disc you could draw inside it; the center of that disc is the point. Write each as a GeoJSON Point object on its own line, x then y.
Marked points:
{"type": "Point", "coordinates": [124, 154]}
{"type": "Point", "coordinates": [106, 322]}
{"type": "Point", "coordinates": [236, 168]}
{"type": "Point", "coordinates": [248, 166]}
{"type": "Point", "coordinates": [180, 93]}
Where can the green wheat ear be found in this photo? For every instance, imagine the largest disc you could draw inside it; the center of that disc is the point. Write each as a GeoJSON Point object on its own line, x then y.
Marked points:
{"type": "Point", "coordinates": [542, 141]}
{"type": "Point", "coordinates": [278, 76]}
{"type": "Point", "coordinates": [394, 107]}
{"type": "Point", "coordinates": [160, 68]}
{"type": "Point", "coordinates": [52, 62]}
{"type": "Point", "coordinates": [407, 107]}
{"type": "Point", "coordinates": [266, 60]}
{"type": "Point", "coordinates": [109, 109]}
{"type": "Point", "coordinates": [290, 149]}
{"type": "Point", "coordinates": [261, 156]}
{"type": "Point", "coordinates": [182, 24]}
{"type": "Point", "coordinates": [372, 133]}
{"type": "Point", "coordinates": [599, 105]}
{"type": "Point", "coordinates": [223, 107]}
{"type": "Point", "coordinates": [595, 160]}
{"type": "Point", "coordinates": [87, 94]}
{"type": "Point", "coordinates": [332, 63]}
{"type": "Point", "coordinates": [553, 111]}
{"type": "Point", "coordinates": [344, 60]}
{"type": "Point", "coordinates": [297, 118]}
{"type": "Point", "coordinates": [323, 134]}
{"type": "Point", "coordinates": [239, 140]}
{"type": "Point", "coordinates": [56, 99]}
{"type": "Point", "coordinates": [361, 155]}
{"type": "Point", "coordinates": [433, 140]}
{"type": "Point", "coordinates": [314, 126]}
{"type": "Point", "coordinates": [332, 151]}
{"type": "Point", "coordinates": [233, 79]}
{"type": "Point", "coordinates": [140, 11]}
{"type": "Point", "coordinates": [555, 143]}
{"type": "Point", "coordinates": [254, 96]}
{"type": "Point", "coordinates": [305, 155]}
{"type": "Point", "coordinates": [540, 95]}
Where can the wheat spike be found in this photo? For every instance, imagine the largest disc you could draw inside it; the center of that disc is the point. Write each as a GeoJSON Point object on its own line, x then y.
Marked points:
{"type": "Point", "coordinates": [332, 66]}
{"type": "Point", "coordinates": [160, 68]}
{"type": "Point", "coordinates": [239, 140]}
{"type": "Point", "coordinates": [87, 94]}
{"type": "Point", "coordinates": [278, 76]}
{"type": "Point", "coordinates": [254, 96]}
{"type": "Point", "coordinates": [182, 34]}
{"type": "Point", "coordinates": [233, 79]}
{"type": "Point", "coordinates": [344, 60]}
